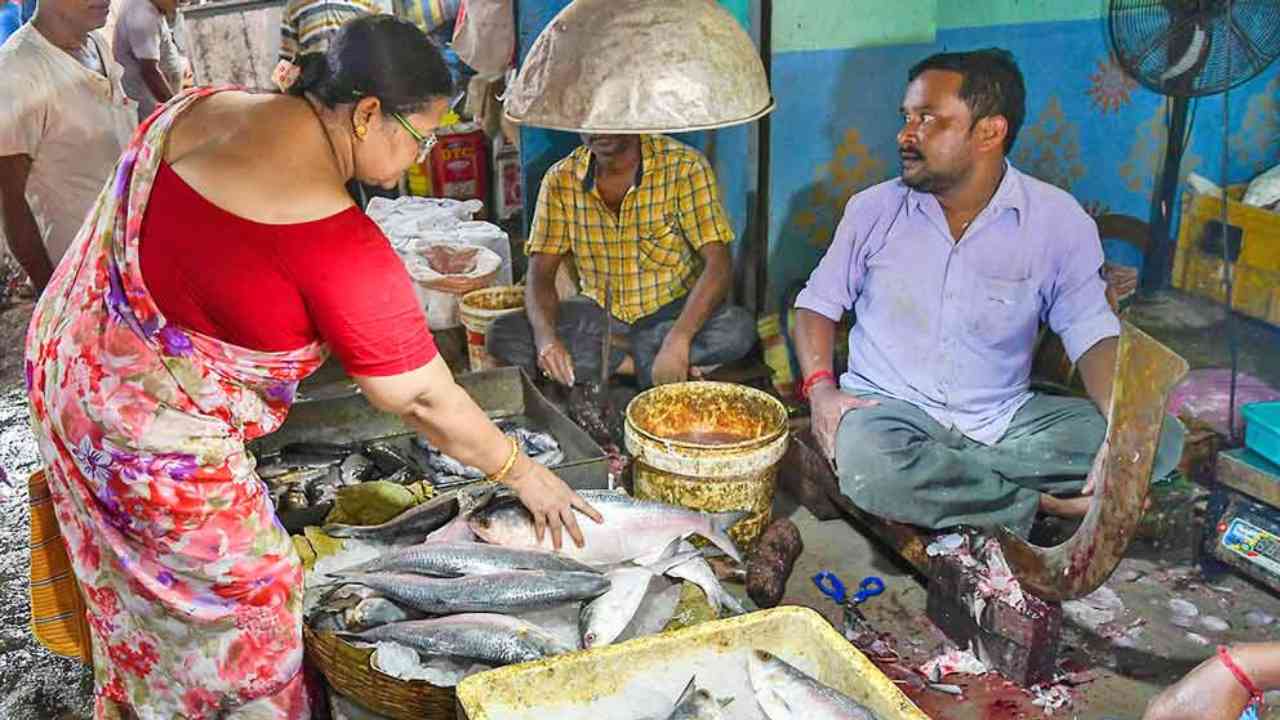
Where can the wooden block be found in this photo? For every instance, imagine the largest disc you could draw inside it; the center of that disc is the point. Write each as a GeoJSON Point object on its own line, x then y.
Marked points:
{"type": "Point", "coordinates": [1021, 644]}
{"type": "Point", "coordinates": [806, 475]}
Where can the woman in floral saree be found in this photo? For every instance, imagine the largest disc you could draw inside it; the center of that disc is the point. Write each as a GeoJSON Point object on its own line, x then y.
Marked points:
{"type": "Point", "coordinates": [218, 268]}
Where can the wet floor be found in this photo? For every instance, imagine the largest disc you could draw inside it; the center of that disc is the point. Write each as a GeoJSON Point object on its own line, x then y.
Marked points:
{"type": "Point", "coordinates": [1120, 664]}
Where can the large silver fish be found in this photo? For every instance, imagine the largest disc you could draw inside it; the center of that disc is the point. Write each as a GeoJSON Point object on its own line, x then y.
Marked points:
{"type": "Point", "coordinates": [786, 693]}
{"type": "Point", "coordinates": [505, 592]}
{"type": "Point", "coordinates": [696, 704]}
{"type": "Point", "coordinates": [486, 637]}
{"type": "Point", "coordinates": [455, 559]}
{"type": "Point", "coordinates": [632, 528]}
{"type": "Point", "coordinates": [412, 525]}
{"type": "Point", "coordinates": [602, 620]}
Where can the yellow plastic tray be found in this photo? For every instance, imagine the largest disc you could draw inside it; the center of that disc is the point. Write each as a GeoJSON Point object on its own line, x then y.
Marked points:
{"type": "Point", "coordinates": [635, 678]}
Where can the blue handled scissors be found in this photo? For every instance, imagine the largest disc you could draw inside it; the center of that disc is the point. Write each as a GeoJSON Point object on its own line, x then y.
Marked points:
{"type": "Point", "coordinates": [831, 586]}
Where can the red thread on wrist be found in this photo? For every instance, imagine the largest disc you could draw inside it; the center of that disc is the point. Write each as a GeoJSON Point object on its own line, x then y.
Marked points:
{"type": "Point", "coordinates": [1255, 695]}
{"type": "Point", "coordinates": [814, 378]}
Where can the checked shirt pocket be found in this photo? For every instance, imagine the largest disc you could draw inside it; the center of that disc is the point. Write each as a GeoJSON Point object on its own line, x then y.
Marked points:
{"type": "Point", "coordinates": [662, 246]}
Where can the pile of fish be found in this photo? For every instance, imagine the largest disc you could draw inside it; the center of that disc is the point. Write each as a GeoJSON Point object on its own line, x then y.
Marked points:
{"type": "Point", "coordinates": [304, 475]}
{"type": "Point", "coordinates": [782, 691]}
{"type": "Point", "coordinates": [539, 446]}
{"type": "Point", "coordinates": [463, 581]}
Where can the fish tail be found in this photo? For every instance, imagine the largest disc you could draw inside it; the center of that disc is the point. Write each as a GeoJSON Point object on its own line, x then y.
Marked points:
{"type": "Point", "coordinates": [719, 535]}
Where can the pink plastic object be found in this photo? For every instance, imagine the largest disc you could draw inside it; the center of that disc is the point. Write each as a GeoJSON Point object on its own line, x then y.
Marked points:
{"type": "Point", "coordinates": [1205, 393]}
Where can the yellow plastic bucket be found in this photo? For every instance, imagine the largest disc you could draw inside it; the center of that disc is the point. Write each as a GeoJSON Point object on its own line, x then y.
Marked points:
{"type": "Point", "coordinates": [709, 446]}
{"type": "Point", "coordinates": [478, 309]}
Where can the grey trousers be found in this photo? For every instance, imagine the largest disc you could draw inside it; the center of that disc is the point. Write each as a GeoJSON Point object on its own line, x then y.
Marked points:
{"type": "Point", "coordinates": [728, 335]}
{"type": "Point", "coordinates": [897, 462]}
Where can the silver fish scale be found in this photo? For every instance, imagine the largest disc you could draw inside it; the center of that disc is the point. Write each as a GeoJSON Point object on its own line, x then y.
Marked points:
{"type": "Point", "coordinates": [505, 592]}
{"type": "Point", "coordinates": [492, 639]}
{"type": "Point", "coordinates": [444, 559]}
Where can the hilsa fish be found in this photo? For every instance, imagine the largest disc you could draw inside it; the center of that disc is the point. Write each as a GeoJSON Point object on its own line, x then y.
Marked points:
{"type": "Point", "coordinates": [786, 693]}
{"type": "Point", "coordinates": [504, 592]}
{"type": "Point", "coordinates": [486, 637]}
{"type": "Point", "coordinates": [632, 528]}
{"type": "Point", "coordinates": [455, 559]}
{"type": "Point", "coordinates": [602, 620]}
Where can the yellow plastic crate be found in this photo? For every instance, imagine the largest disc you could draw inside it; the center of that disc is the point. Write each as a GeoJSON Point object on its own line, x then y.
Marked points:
{"type": "Point", "coordinates": [1257, 270]}
{"type": "Point", "coordinates": [647, 671]}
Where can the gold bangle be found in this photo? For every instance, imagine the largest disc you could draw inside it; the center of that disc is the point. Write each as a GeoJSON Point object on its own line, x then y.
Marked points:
{"type": "Point", "coordinates": [510, 463]}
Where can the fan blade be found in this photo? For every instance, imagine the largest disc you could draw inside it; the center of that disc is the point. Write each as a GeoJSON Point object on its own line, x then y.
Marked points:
{"type": "Point", "coordinates": [1195, 52]}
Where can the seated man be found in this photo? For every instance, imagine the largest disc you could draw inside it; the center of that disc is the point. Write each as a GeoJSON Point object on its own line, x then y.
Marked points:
{"type": "Point", "coordinates": [950, 269]}
{"type": "Point", "coordinates": [641, 216]}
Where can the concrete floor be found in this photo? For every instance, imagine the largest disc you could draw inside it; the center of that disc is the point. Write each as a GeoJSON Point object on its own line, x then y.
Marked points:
{"type": "Point", "coordinates": [1122, 679]}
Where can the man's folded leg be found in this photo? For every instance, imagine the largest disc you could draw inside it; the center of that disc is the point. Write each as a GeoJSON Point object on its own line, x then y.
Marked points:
{"type": "Point", "coordinates": [896, 462]}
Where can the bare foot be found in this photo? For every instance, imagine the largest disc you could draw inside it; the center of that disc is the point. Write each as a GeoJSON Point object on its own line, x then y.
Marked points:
{"type": "Point", "coordinates": [1076, 507]}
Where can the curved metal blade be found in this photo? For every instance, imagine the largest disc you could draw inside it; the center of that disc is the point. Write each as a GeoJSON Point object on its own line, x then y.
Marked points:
{"type": "Point", "coordinates": [1145, 373]}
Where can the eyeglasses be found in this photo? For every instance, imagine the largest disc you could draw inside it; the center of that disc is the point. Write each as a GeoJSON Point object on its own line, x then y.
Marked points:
{"type": "Point", "coordinates": [425, 142]}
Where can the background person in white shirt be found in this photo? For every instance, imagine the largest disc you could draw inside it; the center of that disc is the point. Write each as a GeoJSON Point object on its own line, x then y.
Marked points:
{"type": "Point", "coordinates": [144, 47]}
{"type": "Point", "coordinates": [64, 120]}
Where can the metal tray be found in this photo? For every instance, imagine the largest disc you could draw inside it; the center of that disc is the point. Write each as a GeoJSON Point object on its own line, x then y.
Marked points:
{"type": "Point", "coordinates": [502, 393]}
{"type": "Point", "coordinates": [595, 683]}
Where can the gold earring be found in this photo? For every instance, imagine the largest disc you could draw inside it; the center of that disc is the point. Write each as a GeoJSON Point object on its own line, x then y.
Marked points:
{"type": "Point", "coordinates": [361, 131]}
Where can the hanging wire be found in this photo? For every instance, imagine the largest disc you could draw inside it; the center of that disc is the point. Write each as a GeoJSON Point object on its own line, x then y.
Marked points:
{"type": "Point", "coordinates": [1228, 270]}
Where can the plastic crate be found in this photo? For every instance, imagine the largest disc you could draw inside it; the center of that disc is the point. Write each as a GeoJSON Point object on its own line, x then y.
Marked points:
{"type": "Point", "coordinates": [1262, 429]}
{"type": "Point", "coordinates": [591, 684]}
{"type": "Point", "coordinates": [1254, 234]}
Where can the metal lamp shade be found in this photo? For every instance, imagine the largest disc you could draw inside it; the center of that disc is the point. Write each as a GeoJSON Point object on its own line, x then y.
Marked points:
{"type": "Point", "coordinates": [640, 66]}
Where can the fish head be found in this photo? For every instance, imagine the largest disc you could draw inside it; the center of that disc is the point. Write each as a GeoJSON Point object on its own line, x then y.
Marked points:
{"type": "Point", "coordinates": [586, 625]}
{"type": "Point", "coordinates": [762, 666]}
{"type": "Point", "coordinates": [503, 521]}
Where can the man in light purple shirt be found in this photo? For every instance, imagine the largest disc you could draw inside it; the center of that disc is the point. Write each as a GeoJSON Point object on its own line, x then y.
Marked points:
{"type": "Point", "coordinates": [950, 270]}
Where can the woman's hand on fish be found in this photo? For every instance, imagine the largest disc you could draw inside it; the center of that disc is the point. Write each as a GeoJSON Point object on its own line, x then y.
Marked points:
{"type": "Point", "coordinates": [551, 502]}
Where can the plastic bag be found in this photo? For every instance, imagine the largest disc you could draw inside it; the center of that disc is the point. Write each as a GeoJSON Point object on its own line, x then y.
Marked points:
{"type": "Point", "coordinates": [404, 219]}
{"type": "Point", "coordinates": [1204, 395]}
{"type": "Point", "coordinates": [1264, 190]}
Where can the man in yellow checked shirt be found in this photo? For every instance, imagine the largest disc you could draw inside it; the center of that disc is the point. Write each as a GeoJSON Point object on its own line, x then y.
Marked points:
{"type": "Point", "coordinates": [642, 218]}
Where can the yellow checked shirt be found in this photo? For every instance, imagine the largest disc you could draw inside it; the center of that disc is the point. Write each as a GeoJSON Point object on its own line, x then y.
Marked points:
{"type": "Point", "coordinates": [650, 248]}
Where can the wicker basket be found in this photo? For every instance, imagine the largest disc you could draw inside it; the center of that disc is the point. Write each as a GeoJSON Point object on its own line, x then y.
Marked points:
{"type": "Point", "coordinates": [348, 670]}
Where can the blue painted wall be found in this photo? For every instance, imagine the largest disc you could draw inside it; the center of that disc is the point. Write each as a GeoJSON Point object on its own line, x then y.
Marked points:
{"type": "Point", "coordinates": [1089, 128]}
